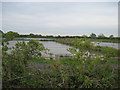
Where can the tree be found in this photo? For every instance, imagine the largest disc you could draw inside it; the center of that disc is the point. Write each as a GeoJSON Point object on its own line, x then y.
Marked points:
{"type": "Point", "coordinates": [11, 35]}
{"type": "Point", "coordinates": [35, 48]}
{"type": "Point", "coordinates": [15, 63]}
{"type": "Point", "coordinates": [101, 36]}
{"type": "Point", "coordinates": [29, 50]}
{"type": "Point", "coordinates": [92, 35]}
{"type": "Point", "coordinates": [111, 36]}
{"type": "Point", "coordinates": [59, 36]}
{"type": "Point", "coordinates": [84, 37]}
{"type": "Point", "coordinates": [31, 35]}
{"type": "Point", "coordinates": [1, 31]}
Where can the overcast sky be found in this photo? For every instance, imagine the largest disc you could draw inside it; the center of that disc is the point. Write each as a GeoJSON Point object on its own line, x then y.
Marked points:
{"type": "Point", "coordinates": [60, 18]}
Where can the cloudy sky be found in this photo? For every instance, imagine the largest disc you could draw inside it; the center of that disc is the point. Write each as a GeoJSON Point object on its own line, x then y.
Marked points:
{"type": "Point", "coordinates": [60, 18]}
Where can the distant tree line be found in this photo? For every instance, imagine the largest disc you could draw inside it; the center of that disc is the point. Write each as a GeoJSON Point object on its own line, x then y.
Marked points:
{"type": "Point", "coordinates": [31, 35]}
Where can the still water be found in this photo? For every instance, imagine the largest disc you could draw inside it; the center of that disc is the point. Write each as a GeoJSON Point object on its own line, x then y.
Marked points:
{"type": "Point", "coordinates": [56, 45]}
{"type": "Point", "coordinates": [61, 49]}
{"type": "Point", "coordinates": [106, 44]}
{"type": "Point", "coordinates": [34, 38]}
{"type": "Point", "coordinates": [55, 48]}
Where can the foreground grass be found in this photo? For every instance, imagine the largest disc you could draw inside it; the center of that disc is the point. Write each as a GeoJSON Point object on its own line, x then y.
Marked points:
{"type": "Point", "coordinates": [42, 60]}
{"type": "Point", "coordinates": [68, 61]}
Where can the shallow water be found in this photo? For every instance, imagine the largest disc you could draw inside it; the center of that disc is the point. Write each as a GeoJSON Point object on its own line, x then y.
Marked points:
{"type": "Point", "coordinates": [61, 49]}
{"type": "Point", "coordinates": [106, 44]}
{"type": "Point", "coordinates": [55, 48]}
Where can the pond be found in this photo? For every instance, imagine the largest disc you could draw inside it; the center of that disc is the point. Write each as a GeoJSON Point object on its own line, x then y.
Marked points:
{"type": "Point", "coordinates": [58, 49]}
{"type": "Point", "coordinates": [106, 44]}
{"type": "Point", "coordinates": [33, 38]}
{"type": "Point", "coordinates": [55, 48]}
